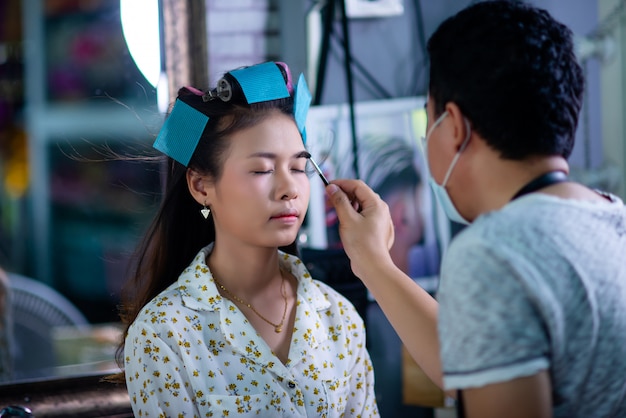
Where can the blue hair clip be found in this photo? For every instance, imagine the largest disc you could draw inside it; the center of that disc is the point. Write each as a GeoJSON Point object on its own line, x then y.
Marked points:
{"type": "Point", "coordinates": [301, 103]}
{"type": "Point", "coordinates": [261, 83]}
{"type": "Point", "coordinates": [181, 132]}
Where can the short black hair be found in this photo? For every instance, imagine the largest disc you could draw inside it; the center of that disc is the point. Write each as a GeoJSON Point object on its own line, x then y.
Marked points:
{"type": "Point", "coordinates": [512, 70]}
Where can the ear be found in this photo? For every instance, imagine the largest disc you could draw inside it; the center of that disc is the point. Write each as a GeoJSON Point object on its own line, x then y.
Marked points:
{"type": "Point", "coordinates": [199, 187]}
{"type": "Point", "coordinates": [461, 127]}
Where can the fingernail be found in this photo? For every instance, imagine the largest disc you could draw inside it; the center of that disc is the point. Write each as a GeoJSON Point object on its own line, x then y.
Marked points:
{"type": "Point", "coordinates": [332, 189]}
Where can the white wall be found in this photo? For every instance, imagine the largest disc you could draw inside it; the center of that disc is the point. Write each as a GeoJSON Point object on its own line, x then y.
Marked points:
{"type": "Point", "coordinates": [240, 32]}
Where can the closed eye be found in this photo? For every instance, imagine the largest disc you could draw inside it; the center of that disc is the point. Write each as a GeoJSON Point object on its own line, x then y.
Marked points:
{"type": "Point", "coordinates": [293, 169]}
{"type": "Point", "coordinates": [298, 163]}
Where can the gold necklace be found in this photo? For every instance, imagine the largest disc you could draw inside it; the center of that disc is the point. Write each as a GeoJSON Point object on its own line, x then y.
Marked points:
{"type": "Point", "coordinates": [277, 327]}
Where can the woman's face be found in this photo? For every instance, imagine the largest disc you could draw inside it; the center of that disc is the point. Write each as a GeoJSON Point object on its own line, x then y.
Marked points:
{"type": "Point", "coordinates": [263, 194]}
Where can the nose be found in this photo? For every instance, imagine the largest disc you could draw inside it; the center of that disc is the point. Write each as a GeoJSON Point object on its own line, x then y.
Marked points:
{"type": "Point", "coordinates": [286, 185]}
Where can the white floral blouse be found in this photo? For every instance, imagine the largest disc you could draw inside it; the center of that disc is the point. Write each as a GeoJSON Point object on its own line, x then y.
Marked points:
{"type": "Point", "coordinates": [192, 353]}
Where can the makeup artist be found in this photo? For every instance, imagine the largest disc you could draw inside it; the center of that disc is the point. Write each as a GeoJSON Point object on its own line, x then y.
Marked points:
{"type": "Point", "coordinates": [530, 317]}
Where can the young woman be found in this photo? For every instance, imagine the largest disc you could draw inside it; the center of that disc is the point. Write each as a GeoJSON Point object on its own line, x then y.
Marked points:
{"type": "Point", "coordinates": [223, 318]}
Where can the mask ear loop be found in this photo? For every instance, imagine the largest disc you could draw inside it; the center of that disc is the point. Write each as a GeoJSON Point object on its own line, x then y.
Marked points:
{"type": "Point", "coordinates": [458, 153]}
{"type": "Point", "coordinates": [468, 129]}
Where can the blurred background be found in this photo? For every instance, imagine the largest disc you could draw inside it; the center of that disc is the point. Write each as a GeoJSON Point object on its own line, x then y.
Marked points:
{"type": "Point", "coordinates": [82, 80]}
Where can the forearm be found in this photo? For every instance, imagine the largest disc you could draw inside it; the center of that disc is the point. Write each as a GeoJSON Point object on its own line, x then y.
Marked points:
{"type": "Point", "coordinates": [411, 311]}
{"type": "Point", "coordinates": [367, 234]}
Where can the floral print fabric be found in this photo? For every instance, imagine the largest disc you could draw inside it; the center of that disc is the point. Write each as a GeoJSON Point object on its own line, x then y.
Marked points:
{"type": "Point", "coordinates": [193, 353]}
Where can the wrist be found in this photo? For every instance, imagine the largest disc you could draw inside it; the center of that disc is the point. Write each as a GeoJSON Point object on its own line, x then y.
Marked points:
{"type": "Point", "coordinates": [368, 267]}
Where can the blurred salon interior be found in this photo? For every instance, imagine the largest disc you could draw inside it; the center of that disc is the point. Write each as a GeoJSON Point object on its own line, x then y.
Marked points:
{"type": "Point", "coordinates": [85, 81]}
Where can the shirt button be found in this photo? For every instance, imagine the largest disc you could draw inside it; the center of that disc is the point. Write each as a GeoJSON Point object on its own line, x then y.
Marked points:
{"type": "Point", "coordinates": [291, 385]}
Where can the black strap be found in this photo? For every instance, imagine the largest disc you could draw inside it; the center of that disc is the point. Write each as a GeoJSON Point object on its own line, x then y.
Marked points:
{"type": "Point", "coordinates": [544, 180]}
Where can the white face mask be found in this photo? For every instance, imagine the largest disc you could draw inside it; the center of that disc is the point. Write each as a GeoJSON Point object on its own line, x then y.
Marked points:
{"type": "Point", "coordinates": [440, 190]}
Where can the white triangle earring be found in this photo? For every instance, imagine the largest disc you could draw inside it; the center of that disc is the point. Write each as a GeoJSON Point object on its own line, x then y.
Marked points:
{"type": "Point", "coordinates": [205, 211]}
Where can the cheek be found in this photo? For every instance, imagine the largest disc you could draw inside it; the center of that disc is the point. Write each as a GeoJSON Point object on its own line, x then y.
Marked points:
{"type": "Point", "coordinates": [436, 163]}
{"type": "Point", "coordinates": [305, 188]}
{"type": "Point", "coordinates": [304, 194]}
{"type": "Point", "coordinates": [233, 188]}
{"type": "Point", "coordinates": [430, 160]}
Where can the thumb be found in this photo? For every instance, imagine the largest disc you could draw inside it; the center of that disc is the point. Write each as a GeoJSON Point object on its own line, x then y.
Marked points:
{"type": "Point", "coordinates": [340, 201]}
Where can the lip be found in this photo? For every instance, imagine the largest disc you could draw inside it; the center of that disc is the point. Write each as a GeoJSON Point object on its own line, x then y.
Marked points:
{"type": "Point", "coordinates": [287, 214]}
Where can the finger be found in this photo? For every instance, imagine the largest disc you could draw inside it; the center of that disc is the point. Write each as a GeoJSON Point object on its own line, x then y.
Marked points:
{"type": "Point", "coordinates": [359, 193]}
{"type": "Point", "coordinates": [367, 202]}
{"type": "Point", "coordinates": [340, 201]}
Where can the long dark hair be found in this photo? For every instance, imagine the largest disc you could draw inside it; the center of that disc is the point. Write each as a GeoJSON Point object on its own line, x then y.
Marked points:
{"type": "Point", "coordinates": [177, 231]}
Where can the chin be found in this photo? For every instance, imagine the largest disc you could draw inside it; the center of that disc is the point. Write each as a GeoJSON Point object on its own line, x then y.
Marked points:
{"type": "Point", "coordinates": [285, 241]}
{"type": "Point", "coordinates": [283, 236]}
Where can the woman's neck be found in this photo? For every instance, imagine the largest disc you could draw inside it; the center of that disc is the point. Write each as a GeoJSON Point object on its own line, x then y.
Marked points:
{"type": "Point", "coordinates": [246, 271]}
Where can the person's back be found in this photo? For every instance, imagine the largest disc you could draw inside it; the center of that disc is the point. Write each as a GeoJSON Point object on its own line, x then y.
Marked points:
{"type": "Point", "coordinates": [565, 313]}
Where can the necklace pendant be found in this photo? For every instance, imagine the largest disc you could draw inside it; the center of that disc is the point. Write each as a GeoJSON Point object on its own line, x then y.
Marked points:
{"type": "Point", "coordinates": [278, 328]}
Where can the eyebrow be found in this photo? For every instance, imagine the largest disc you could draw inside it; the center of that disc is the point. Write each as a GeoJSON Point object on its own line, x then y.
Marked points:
{"type": "Point", "coordinates": [272, 156]}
